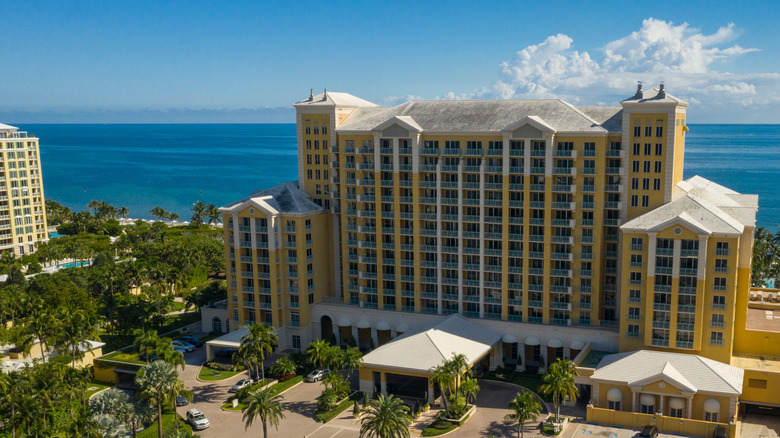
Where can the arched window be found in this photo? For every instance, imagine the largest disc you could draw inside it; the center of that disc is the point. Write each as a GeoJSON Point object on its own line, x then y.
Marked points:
{"type": "Point", "coordinates": [711, 410]}
{"type": "Point", "coordinates": [614, 399]}
{"type": "Point", "coordinates": [216, 325]}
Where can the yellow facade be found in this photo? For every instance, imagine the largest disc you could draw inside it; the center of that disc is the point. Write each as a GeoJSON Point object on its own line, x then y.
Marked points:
{"type": "Point", "coordinates": [22, 209]}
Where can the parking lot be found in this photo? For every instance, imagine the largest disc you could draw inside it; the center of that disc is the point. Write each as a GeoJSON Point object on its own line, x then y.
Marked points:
{"type": "Point", "coordinates": [300, 403]}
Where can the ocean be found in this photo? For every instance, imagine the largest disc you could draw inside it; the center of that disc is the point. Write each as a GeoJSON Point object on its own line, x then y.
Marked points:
{"type": "Point", "coordinates": [172, 166]}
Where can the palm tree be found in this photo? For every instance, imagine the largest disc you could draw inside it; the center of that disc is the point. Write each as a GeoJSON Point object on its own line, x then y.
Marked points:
{"type": "Point", "coordinates": [213, 214]}
{"type": "Point", "coordinates": [94, 205]}
{"type": "Point", "coordinates": [352, 359]}
{"type": "Point", "coordinates": [469, 388]}
{"type": "Point", "coordinates": [263, 403]}
{"type": "Point", "coordinates": [258, 342]}
{"type": "Point", "coordinates": [198, 213]}
{"type": "Point", "coordinates": [156, 381]}
{"type": "Point", "coordinates": [75, 329]}
{"type": "Point", "coordinates": [442, 376]}
{"type": "Point", "coordinates": [559, 381]}
{"type": "Point", "coordinates": [458, 365]}
{"type": "Point", "coordinates": [385, 417]}
{"type": "Point", "coordinates": [123, 211]}
{"type": "Point", "coordinates": [524, 407]}
{"type": "Point", "coordinates": [317, 352]}
{"type": "Point", "coordinates": [173, 217]}
{"type": "Point", "coordinates": [158, 212]}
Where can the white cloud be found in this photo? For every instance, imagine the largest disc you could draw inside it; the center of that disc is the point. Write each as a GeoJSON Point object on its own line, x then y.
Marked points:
{"type": "Point", "coordinates": [681, 56]}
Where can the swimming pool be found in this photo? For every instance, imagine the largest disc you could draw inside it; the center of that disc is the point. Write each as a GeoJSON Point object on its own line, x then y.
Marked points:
{"type": "Point", "coordinates": [73, 265]}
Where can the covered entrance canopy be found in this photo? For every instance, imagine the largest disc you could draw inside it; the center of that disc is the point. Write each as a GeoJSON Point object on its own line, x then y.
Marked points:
{"type": "Point", "coordinates": [230, 340]}
{"type": "Point", "coordinates": [415, 353]}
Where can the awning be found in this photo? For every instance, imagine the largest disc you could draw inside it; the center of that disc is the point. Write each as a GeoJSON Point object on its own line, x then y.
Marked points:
{"type": "Point", "coordinates": [532, 340]}
{"type": "Point", "coordinates": [555, 343]}
{"type": "Point", "coordinates": [577, 345]}
{"type": "Point", "coordinates": [712, 406]}
{"type": "Point", "coordinates": [647, 400]}
{"type": "Point", "coordinates": [614, 395]}
{"type": "Point", "coordinates": [345, 322]}
{"type": "Point", "coordinates": [509, 338]}
{"type": "Point", "coordinates": [383, 325]}
{"type": "Point", "coordinates": [676, 403]}
{"type": "Point", "coordinates": [363, 324]}
{"type": "Point", "coordinates": [402, 328]}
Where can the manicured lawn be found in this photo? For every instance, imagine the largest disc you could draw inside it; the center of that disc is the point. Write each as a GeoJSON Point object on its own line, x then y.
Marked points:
{"type": "Point", "coordinates": [120, 356]}
{"type": "Point", "coordinates": [526, 380]}
{"type": "Point", "coordinates": [94, 387]}
{"type": "Point", "coordinates": [341, 407]}
{"type": "Point", "coordinates": [439, 427]}
{"type": "Point", "coordinates": [177, 306]}
{"type": "Point", "coordinates": [210, 375]}
{"type": "Point", "coordinates": [167, 423]}
{"type": "Point", "coordinates": [276, 388]}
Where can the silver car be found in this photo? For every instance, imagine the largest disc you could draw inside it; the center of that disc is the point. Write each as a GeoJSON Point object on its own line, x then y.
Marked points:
{"type": "Point", "coordinates": [318, 374]}
{"type": "Point", "coordinates": [197, 420]}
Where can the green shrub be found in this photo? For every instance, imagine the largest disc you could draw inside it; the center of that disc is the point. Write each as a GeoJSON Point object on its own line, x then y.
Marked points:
{"type": "Point", "coordinates": [327, 401]}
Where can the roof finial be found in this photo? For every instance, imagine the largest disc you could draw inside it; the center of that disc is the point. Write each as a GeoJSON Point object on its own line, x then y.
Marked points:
{"type": "Point", "coordinates": [311, 94]}
{"type": "Point", "coordinates": [638, 94]}
{"type": "Point", "coordinates": [325, 95]}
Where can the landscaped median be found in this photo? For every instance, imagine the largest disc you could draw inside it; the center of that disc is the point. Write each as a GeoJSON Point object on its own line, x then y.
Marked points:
{"type": "Point", "coordinates": [276, 387]}
{"type": "Point", "coordinates": [442, 424]}
{"type": "Point", "coordinates": [324, 417]}
{"type": "Point", "coordinates": [211, 374]}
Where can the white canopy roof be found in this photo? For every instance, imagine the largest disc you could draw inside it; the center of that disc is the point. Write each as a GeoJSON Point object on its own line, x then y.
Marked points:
{"type": "Point", "coordinates": [420, 351]}
{"type": "Point", "coordinates": [345, 322]}
{"type": "Point", "coordinates": [687, 372]}
{"type": "Point", "coordinates": [532, 340]}
{"type": "Point", "coordinates": [509, 338]}
{"type": "Point", "coordinates": [363, 324]}
{"type": "Point", "coordinates": [383, 325]}
{"type": "Point", "coordinates": [555, 343]}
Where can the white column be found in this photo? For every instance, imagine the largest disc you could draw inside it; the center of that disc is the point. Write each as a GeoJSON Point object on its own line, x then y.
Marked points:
{"type": "Point", "coordinates": [634, 400]}
{"type": "Point", "coordinates": [689, 407]}
{"type": "Point", "coordinates": [661, 403]}
{"type": "Point", "coordinates": [337, 333]}
{"type": "Point", "coordinates": [521, 357]}
{"type": "Point", "coordinates": [676, 260]}
{"type": "Point", "coordinates": [355, 334]}
{"type": "Point", "coordinates": [375, 337]}
{"type": "Point", "coordinates": [702, 267]}
{"type": "Point", "coordinates": [383, 383]}
{"type": "Point", "coordinates": [651, 248]}
{"type": "Point", "coordinates": [430, 393]}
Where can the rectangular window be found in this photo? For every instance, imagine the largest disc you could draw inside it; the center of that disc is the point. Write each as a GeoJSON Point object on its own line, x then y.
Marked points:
{"type": "Point", "coordinates": [657, 184]}
{"type": "Point", "coordinates": [324, 145]}
{"type": "Point", "coordinates": [648, 131]}
{"type": "Point", "coordinates": [636, 148]}
{"type": "Point", "coordinates": [308, 174]}
{"type": "Point", "coordinates": [645, 183]}
{"type": "Point", "coordinates": [316, 130]}
{"type": "Point", "coordinates": [634, 166]}
{"type": "Point", "coordinates": [634, 200]}
{"type": "Point", "coordinates": [637, 131]}
{"type": "Point", "coordinates": [657, 167]}
{"type": "Point", "coordinates": [648, 148]}
{"type": "Point", "coordinates": [308, 144]}
{"type": "Point", "coordinates": [633, 313]}
{"type": "Point", "coordinates": [659, 149]}
{"type": "Point", "coordinates": [635, 183]}
{"type": "Point", "coordinates": [645, 201]}
{"type": "Point", "coordinates": [296, 340]}
{"type": "Point", "coordinates": [316, 145]}
{"type": "Point", "coordinates": [308, 159]}
{"type": "Point", "coordinates": [324, 129]}
{"type": "Point", "coordinates": [308, 129]}
{"type": "Point", "coordinates": [646, 166]}
{"type": "Point", "coordinates": [659, 131]}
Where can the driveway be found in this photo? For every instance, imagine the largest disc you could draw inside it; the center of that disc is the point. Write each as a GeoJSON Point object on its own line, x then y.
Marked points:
{"type": "Point", "coordinates": [300, 403]}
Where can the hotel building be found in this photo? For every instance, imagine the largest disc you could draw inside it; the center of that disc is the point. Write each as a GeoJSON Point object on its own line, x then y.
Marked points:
{"type": "Point", "coordinates": [567, 231]}
{"type": "Point", "coordinates": [22, 210]}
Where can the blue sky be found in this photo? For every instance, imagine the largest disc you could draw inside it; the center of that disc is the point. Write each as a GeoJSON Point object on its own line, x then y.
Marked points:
{"type": "Point", "coordinates": [133, 57]}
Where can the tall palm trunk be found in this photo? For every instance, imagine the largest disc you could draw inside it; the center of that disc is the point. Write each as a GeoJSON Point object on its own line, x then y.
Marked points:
{"type": "Point", "coordinates": [159, 416]}
{"type": "Point", "coordinates": [265, 429]}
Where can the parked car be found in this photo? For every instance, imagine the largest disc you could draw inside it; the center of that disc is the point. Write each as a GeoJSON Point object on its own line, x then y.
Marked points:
{"type": "Point", "coordinates": [181, 400]}
{"type": "Point", "coordinates": [181, 350]}
{"type": "Point", "coordinates": [243, 383]}
{"type": "Point", "coordinates": [185, 345]}
{"type": "Point", "coordinates": [192, 340]}
{"type": "Point", "coordinates": [197, 420]}
{"type": "Point", "coordinates": [648, 432]}
{"type": "Point", "coordinates": [318, 374]}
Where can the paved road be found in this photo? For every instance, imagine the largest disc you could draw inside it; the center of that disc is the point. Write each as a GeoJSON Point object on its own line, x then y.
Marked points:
{"type": "Point", "coordinates": [299, 402]}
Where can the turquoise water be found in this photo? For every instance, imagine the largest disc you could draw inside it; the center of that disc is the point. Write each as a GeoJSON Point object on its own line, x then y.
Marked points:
{"type": "Point", "coordinates": [76, 264]}
{"type": "Point", "coordinates": [172, 166]}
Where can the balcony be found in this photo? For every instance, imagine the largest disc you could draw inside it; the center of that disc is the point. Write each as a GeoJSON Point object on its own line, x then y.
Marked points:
{"type": "Point", "coordinates": [663, 307]}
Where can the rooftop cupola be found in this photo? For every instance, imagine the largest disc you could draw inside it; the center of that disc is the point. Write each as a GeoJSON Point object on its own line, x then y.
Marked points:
{"type": "Point", "coordinates": [638, 94]}
{"type": "Point", "coordinates": [661, 92]}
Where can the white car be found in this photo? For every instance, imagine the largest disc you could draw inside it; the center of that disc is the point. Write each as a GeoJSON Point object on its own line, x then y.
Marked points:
{"type": "Point", "coordinates": [197, 420]}
{"type": "Point", "coordinates": [185, 345]}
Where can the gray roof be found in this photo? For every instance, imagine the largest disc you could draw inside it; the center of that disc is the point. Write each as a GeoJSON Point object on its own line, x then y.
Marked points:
{"type": "Point", "coordinates": [334, 99]}
{"type": "Point", "coordinates": [480, 115]}
{"type": "Point", "coordinates": [610, 117]}
{"type": "Point", "coordinates": [284, 198]}
{"type": "Point", "coordinates": [422, 350]}
{"type": "Point", "coordinates": [688, 372]}
{"type": "Point", "coordinates": [654, 95]}
{"type": "Point", "coordinates": [4, 127]}
{"type": "Point", "coordinates": [709, 207]}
